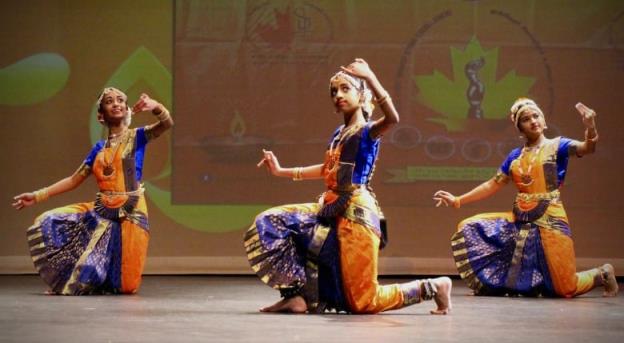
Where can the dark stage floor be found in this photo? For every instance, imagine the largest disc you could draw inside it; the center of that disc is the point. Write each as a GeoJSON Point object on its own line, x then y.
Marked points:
{"type": "Point", "coordinates": [224, 309]}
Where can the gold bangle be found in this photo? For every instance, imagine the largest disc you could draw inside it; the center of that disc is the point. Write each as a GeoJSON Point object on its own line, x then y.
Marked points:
{"type": "Point", "coordinates": [457, 202]}
{"type": "Point", "coordinates": [298, 174]}
{"type": "Point", "coordinates": [41, 195]}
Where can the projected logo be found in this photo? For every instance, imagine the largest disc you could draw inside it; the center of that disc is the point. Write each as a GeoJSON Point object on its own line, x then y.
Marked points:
{"type": "Point", "coordinates": [457, 117]}
{"type": "Point", "coordinates": [295, 33]}
{"type": "Point", "coordinates": [473, 91]}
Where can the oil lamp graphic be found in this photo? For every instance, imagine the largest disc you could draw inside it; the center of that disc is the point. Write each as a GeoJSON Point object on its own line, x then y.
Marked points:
{"type": "Point", "coordinates": [237, 145]}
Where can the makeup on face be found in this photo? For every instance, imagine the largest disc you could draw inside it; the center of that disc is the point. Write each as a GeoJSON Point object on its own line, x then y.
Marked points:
{"type": "Point", "coordinates": [344, 95]}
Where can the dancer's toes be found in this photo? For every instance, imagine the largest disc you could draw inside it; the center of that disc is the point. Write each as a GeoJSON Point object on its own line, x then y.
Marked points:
{"type": "Point", "coordinates": [273, 307]}
{"type": "Point", "coordinates": [291, 305]}
{"type": "Point", "coordinates": [439, 312]}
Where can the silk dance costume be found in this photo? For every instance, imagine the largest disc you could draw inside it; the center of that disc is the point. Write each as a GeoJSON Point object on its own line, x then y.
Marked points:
{"type": "Point", "coordinates": [98, 247]}
{"type": "Point", "coordinates": [528, 251]}
{"type": "Point", "coordinates": [327, 252]}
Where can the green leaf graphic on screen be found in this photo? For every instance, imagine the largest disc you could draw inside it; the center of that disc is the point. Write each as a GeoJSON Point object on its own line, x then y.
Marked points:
{"type": "Point", "coordinates": [448, 97]}
{"type": "Point", "coordinates": [143, 66]}
{"type": "Point", "coordinates": [33, 79]}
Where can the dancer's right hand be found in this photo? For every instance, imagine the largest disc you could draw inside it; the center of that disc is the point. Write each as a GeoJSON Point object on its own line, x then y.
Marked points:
{"type": "Point", "coordinates": [444, 198]}
{"type": "Point", "coordinates": [587, 115]}
{"type": "Point", "coordinates": [24, 200]}
{"type": "Point", "coordinates": [271, 162]}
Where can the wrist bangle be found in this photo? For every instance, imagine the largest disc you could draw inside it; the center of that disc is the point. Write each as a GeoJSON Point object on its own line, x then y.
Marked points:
{"type": "Point", "coordinates": [41, 195]}
{"type": "Point", "coordinates": [457, 202]}
{"type": "Point", "coordinates": [298, 174]}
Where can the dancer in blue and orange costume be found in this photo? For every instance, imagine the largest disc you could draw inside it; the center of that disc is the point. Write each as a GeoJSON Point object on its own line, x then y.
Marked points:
{"type": "Point", "coordinates": [528, 251]}
{"type": "Point", "coordinates": [324, 256]}
{"type": "Point", "coordinates": [99, 247]}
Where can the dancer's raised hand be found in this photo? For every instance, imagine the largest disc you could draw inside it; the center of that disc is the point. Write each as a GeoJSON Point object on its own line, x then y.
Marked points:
{"type": "Point", "coordinates": [359, 68]}
{"type": "Point", "coordinates": [587, 115]}
{"type": "Point", "coordinates": [145, 103]}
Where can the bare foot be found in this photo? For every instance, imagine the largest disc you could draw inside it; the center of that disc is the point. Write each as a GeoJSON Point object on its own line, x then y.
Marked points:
{"type": "Point", "coordinates": [291, 305]}
{"type": "Point", "coordinates": [443, 295]}
{"type": "Point", "coordinates": [609, 282]}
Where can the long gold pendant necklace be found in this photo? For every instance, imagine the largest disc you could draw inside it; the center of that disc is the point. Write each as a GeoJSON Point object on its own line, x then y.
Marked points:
{"type": "Point", "coordinates": [110, 141]}
{"type": "Point", "coordinates": [337, 142]}
{"type": "Point", "coordinates": [525, 178]}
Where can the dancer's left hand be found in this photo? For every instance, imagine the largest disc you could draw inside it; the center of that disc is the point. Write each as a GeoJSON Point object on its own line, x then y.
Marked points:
{"type": "Point", "coordinates": [145, 103]}
{"type": "Point", "coordinates": [359, 68]}
{"type": "Point", "coordinates": [587, 115]}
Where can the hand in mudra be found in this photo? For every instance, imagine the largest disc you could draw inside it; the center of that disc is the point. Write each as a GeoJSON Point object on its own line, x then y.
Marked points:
{"type": "Point", "coordinates": [24, 200]}
{"type": "Point", "coordinates": [358, 68]}
{"type": "Point", "coordinates": [445, 198]}
{"type": "Point", "coordinates": [145, 103]}
{"type": "Point", "coordinates": [587, 115]}
{"type": "Point", "coordinates": [270, 161]}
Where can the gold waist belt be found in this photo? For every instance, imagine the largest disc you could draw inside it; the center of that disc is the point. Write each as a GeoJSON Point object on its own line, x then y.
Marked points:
{"type": "Point", "coordinates": [137, 192]}
{"type": "Point", "coordinates": [538, 196]}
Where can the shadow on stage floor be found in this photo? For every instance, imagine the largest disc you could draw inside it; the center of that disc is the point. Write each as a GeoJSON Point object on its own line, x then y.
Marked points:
{"type": "Point", "coordinates": [224, 309]}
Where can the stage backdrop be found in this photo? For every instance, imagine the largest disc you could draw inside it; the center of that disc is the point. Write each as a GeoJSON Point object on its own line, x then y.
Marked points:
{"type": "Point", "coordinates": [241, 76]}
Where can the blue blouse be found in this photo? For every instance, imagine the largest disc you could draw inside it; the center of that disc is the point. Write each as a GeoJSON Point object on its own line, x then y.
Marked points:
{"type": "Point", "coordinates": [563, 155]}
{"type": "Point", "coordinates": [366, 156]}
{"type": "Point", "coordinates": [139, 152]}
